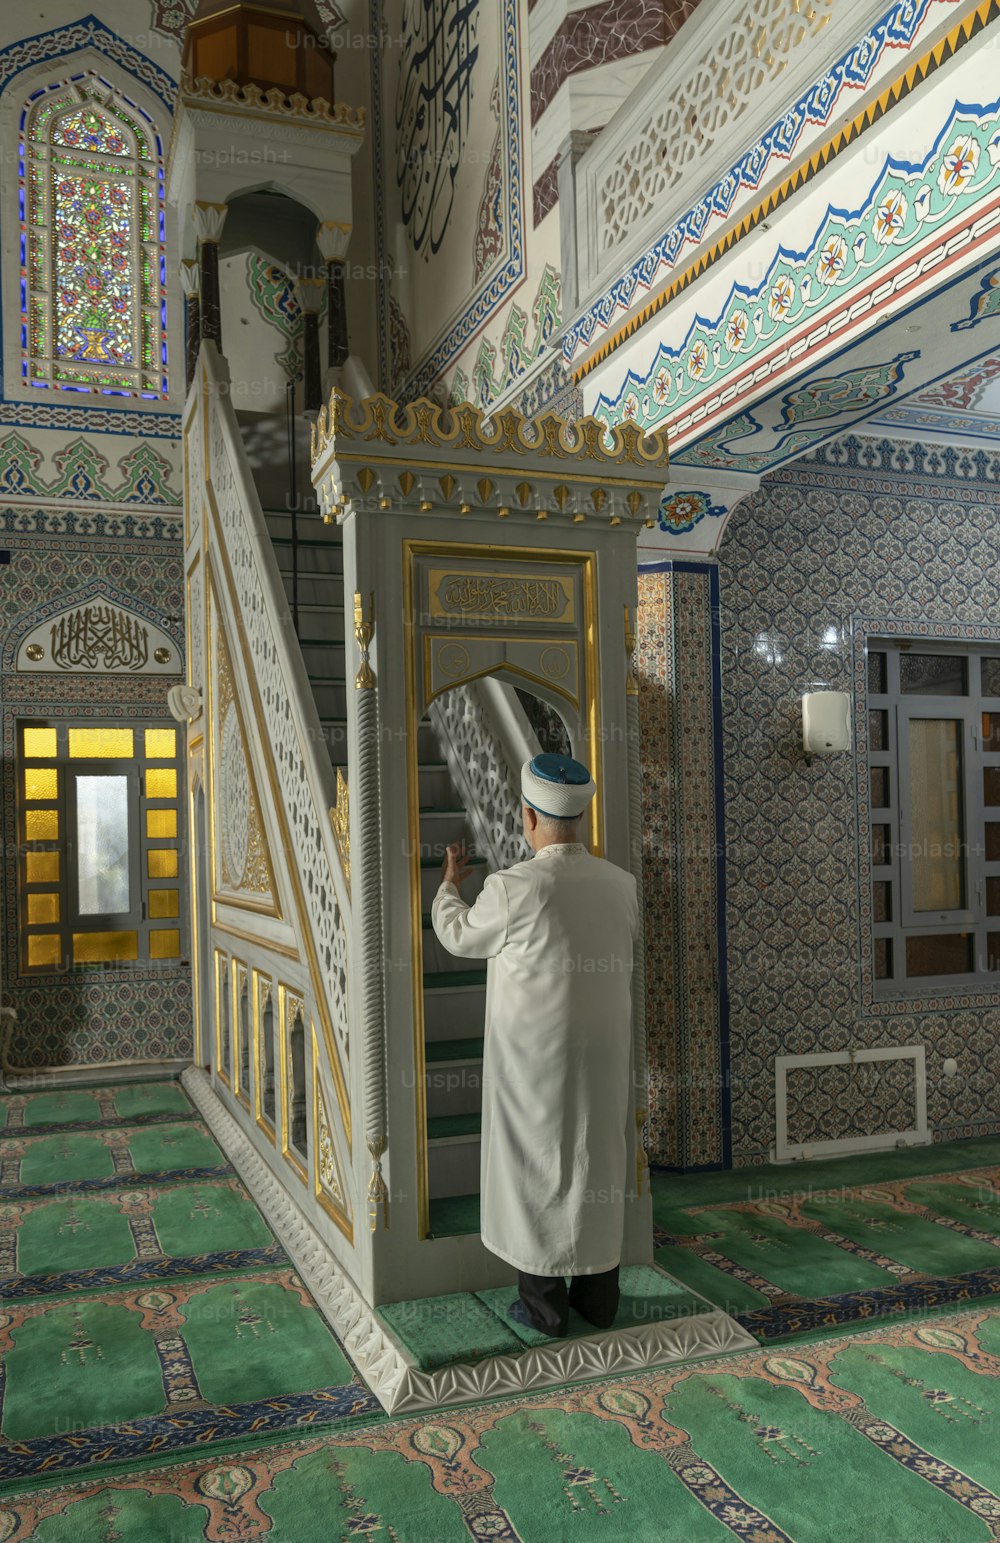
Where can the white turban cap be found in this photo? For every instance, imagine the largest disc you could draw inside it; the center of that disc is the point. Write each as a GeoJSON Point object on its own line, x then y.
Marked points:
{"type": "Point", "coordinates": [556, 785]}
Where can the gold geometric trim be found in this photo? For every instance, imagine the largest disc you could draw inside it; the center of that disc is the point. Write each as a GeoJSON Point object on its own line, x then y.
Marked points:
{"type": "Point", "coordinates": [257, 877]}
{"type": "Point", "coordinates": [341, 825]}
{"type": "Point", "coordinates": [328, 1183]}
{"type": "Point", "coordinates": [465, 427]}
{"type": "Point", "coordinates": [316, 110]}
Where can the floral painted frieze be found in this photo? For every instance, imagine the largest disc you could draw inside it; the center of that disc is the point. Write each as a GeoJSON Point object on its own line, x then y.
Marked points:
{"type": "Point", "coordinates": [81, 473]}
{"type": "Point", "coordinates": [517, 349]}
{"type": "Point", "coordinates": [908, 209]}
{"type": "Point", "coordinates": [898, 29]}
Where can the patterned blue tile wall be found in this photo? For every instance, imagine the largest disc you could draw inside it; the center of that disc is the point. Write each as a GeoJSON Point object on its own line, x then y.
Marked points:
{"type": "Point", "coordinates": [863, 536]}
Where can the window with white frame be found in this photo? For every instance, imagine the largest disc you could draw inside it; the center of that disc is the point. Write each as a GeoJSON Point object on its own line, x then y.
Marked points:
{"type": "Point", "coordinates": [93, 257]}
{"type": "Point", "coordinates": [934, 775]}
{"type": "Point", "coordinates": [99, 845]}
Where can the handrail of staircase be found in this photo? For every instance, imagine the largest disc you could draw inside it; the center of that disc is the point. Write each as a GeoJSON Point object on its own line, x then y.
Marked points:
{"type": "Point", "coordinates": [485, 738]}
{"type": "Point", "coordinates": [271, 648]}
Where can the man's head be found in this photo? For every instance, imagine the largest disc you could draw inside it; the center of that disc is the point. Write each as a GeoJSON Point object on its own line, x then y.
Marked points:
{"type": "Point", "coordinates": [555, 791]}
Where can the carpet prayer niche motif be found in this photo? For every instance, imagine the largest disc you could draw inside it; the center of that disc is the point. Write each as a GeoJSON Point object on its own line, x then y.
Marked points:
{"type": "Point", "coordinates": [787, 1262]}
{"type": "Point", "coordinates": [764, 1447]}
{"type": "Point", "coordinates": [145, 1305]}
{"type": "Point", "coordinates": [164, 1373]}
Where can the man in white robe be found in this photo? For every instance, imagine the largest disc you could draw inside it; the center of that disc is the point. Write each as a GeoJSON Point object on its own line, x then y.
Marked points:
{"type": "Point", "coordinates": [557, 931]}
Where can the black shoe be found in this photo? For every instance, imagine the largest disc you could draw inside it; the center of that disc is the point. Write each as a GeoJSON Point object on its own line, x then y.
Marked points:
{"type": "Point", "coordinates": [520, 1314]}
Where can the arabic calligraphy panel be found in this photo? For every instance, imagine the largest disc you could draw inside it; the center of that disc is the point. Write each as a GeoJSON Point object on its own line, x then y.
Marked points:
{"type": "Point", "coordinates": [99, 638]}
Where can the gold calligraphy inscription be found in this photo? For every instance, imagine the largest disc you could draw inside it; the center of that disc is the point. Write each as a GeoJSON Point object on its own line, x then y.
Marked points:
{"type": "Point", "coordinates": [100, 637]}
{"type": "Point", "coordinates": [540, 597]}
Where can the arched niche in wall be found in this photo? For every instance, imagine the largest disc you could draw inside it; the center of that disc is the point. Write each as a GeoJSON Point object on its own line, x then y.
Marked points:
{"type": "Point", "coordinates": [265, 1070]}
{"type": "Point", "coordinates": [268, 241]}
{"type": "Point", "coordinates": [297, 1084]}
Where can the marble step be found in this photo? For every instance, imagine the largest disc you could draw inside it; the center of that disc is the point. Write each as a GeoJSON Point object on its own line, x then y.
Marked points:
{"type": "Point", "coordinates": [326, 659]}
{"type": "Point", "coordinates": [453, 1089]}
{"type": "Point", "coordinates": [454, 1052]}
{"type": "Point", "coordinates": [452, 1165]}
{"type": "Point", "coordinates": [453, 1216]}
{"type": "Point", "coordinates": [430, 879]}
{"type": "Point", "coordinates": [310, 525]}
{"type": "Point", "coordinates": [453, 1127]}
{"type": "Point", "coordinates": [319, 556]}
{"type": "Point", "coordinates": [447, 980]}
{"type": "Point", "coordinates": [435, 784]}
{"type": "Point", "coordinates": [442, 828]}
{"type": "Point", "coordinates": [453, 1011]}
{"type": "Point", "coordinates": [330, 695]}
{"type": "Point", "coordinates": [317, 591]}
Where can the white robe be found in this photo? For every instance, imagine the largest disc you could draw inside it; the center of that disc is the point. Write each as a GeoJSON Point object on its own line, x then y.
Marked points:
{"type": "Point", "coordinates": [557, 931]}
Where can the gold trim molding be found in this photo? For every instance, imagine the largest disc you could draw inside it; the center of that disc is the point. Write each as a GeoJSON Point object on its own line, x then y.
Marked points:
{"type": "Point", "coordinates": [394, 426]}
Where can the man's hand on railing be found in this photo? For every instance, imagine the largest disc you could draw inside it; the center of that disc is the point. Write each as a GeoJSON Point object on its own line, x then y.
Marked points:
{"type": "Point", "coordinates": [456, 868]}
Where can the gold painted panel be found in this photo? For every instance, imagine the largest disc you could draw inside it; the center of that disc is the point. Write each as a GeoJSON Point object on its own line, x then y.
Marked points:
{"type": "Point", "coordinates": [328, 1185]}
{"type": "Point", "coordinates": [499, 593]}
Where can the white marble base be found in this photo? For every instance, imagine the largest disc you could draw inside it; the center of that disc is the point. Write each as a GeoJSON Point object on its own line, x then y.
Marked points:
{"type": "Point", "coordinates": [388, 1367]}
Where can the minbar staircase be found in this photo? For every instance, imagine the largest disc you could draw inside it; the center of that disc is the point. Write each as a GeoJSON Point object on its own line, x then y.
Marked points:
{"type": "Point", "coordinates": [454, 989]}
{"type": "Point", "coordinates": [454, 1009]}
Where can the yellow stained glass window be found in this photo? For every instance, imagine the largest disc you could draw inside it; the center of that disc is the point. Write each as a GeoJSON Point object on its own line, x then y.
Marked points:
{"type": "Point", "coordinates": [104, 947]}
{"type": "Point", "coordinates": [99, 744]}
{"type": "Point", "coordinates": [44, 948]}
{"type": "Point", "coordinates": [40, 744]}
{"type": "Point", "coordinates": [161, 744]}
{"type": "Point", "coordinates": [41, 782]}
{"type": "Point", "coordinates": [163, 902]}
{"type": "Point", "coordinates": [161, 824]}
{"type": "Point", "coordinates": [42, 868]}
{"type": "Point", "coordinates": [165, 944]}
{"type": "Point", "coordinates": [161, 863]}
{"type": "Point", "coordinates": [43, 910]}
{"type": "Point", "coordinates": [41, 824]}
{"type": "Point", "coordinates": [161, 782]}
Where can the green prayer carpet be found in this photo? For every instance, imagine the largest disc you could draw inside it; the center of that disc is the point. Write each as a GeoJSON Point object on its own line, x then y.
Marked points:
{"type": "Point", "coordinates": [165, 1374]}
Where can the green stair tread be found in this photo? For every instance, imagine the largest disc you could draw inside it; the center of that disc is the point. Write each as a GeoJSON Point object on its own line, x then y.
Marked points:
{"type": "Point", "coordinates": [435, 979]}
{"type": "Point", "coordinates": [440, 1126]}
{"type": "Point", "coordinates": [435, 862]}
{"type": "Point", "coordinates": [454, 1216]}
{"type": "Point", "coordinates": [306, 541]}
{"type": "Point", "coordinates": [470, 1049]}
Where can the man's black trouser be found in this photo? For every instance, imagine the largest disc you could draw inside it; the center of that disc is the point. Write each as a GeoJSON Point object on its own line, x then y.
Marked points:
{"type": "Point", "coordinates": [594, 1297]}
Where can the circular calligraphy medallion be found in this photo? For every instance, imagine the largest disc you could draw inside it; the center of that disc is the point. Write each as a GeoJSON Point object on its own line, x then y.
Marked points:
{"type": "Point", "coordinates": [453, 659]}
{"type": "Point", "coordinates": [555, 662]}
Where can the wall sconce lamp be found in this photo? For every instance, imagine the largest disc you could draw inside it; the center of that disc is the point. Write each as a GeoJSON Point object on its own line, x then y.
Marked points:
{"type": "Point", "coordinates": [826, 723]}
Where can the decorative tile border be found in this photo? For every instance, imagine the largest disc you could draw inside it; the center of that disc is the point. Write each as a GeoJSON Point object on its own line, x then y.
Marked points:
{"type": "Point", "coordinates": [678, 666]}
{"type": "Point", "coordinates": [849, 250]}
{"type": "Point", "coordinates": [821, 105]}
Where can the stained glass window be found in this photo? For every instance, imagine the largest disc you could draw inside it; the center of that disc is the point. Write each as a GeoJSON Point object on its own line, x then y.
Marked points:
{"type": "Point", "coordinates": [93, 264]}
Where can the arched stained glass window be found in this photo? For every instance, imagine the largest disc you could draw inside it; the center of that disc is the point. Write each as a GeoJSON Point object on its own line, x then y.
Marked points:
{"type": "Point", "coordinates": [93, 265]}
